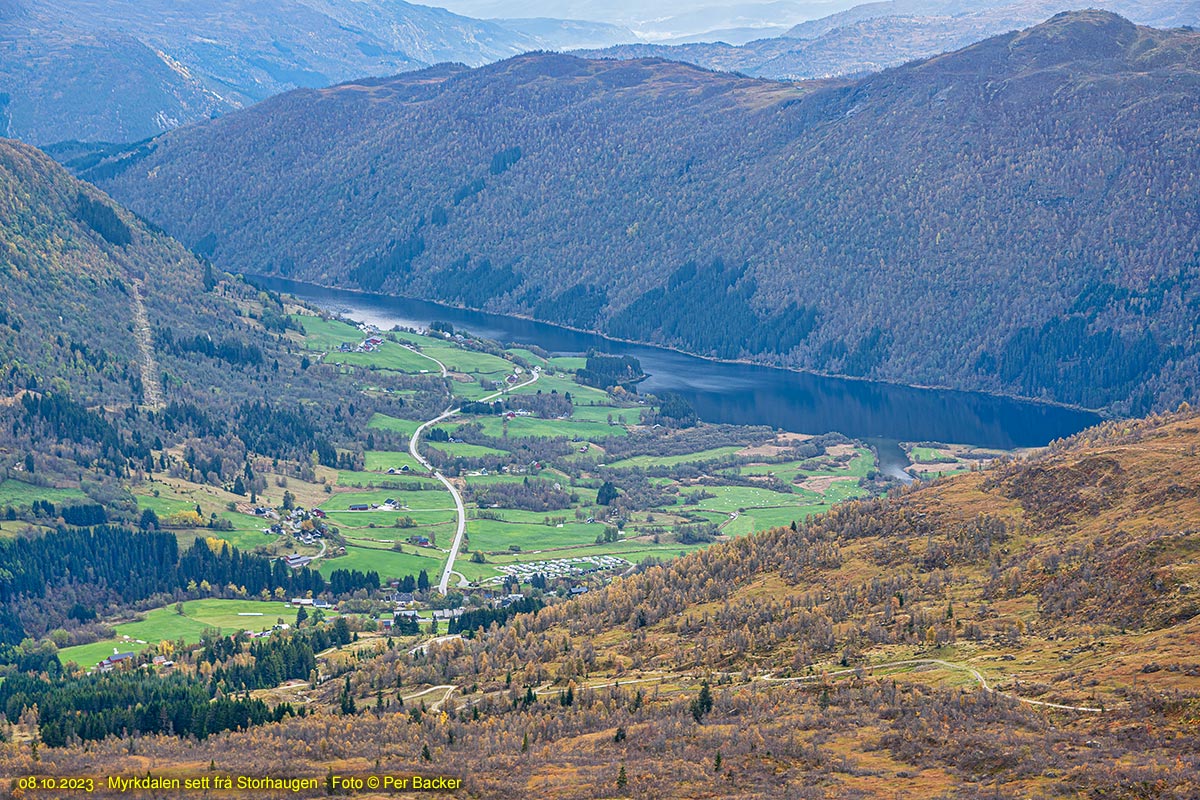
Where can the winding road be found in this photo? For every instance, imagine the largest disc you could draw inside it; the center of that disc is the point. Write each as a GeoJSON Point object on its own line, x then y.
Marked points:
{"type": "Point", "coordinates": [414, 450]}
{"type": "Point", "coordinates": [445, 372]}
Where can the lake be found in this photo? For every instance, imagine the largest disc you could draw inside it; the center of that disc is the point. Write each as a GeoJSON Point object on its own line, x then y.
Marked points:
{"type": "Point", "coordinates": [745, 394]}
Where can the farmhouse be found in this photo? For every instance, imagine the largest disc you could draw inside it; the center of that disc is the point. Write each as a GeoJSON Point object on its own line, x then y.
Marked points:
{"type": "Point", "coordinates": [116, 658]}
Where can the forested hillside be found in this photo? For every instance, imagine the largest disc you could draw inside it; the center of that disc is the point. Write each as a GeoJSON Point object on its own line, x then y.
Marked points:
{"type": "Point", "coordinates": [1015, 217]}
{"type": "Point", "coordinates": [92, 294]}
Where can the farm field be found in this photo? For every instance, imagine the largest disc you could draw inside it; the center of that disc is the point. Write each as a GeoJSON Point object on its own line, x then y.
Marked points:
{"type": "Point", "coordinates": [164, 624]}
{"type": "Point", "coordinates": [18, 493]}
{"type": "Point", "coordinates": [572, 453]}
{"type": "Point", "coordinates": [387, 562]}
{"type": "Point", "coordinates": [389, 356]}
{"type": "Point", "coordinates": [327, 334]}
{"type": "Point", "coordinates": [715, 454]}
{"type": "Point", "coordinates": [935, 460]}
{"type": "Point", "coordinates": [383, 460]}
{"type": "Point", "coordinates": [519, 427]}
{"type": "Point", "coordinates": [404, 427]}
{"type": "Point", "coordinates": [455, 449]}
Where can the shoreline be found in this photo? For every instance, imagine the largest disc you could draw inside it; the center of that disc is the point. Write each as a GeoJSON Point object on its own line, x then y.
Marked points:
{"type": "Point", "coordinates": [1101, 413]}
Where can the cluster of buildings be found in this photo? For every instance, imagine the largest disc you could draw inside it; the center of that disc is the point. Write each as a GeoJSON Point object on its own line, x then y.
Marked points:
{"type": "Point", "coordinates": [119, 659]}
{"type": "Point", "coordinates": [367, 345]}
{"type": "Point", "coordinates": [390, 504]}
{"type": "Point", "coordinates": [309, 602]}
{"type": "Point", "coordinates": [563, 567]}
{"type": "Point", "coordinates": [306, 526]}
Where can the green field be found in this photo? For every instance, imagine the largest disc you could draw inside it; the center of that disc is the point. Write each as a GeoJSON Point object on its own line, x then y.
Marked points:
{"type": "Point", "coordinates": [389, 356]}
{"type": "Point", "coordinates": [519, 427]}
{"type": "Point", "coordinates": [716, 454]}
{"type": "Point", "coordinates": [246, 533]}
{"type": "Point", "coordinates": [733, 498]}
{"type": "Point", "coordinates": [383, 460]}
{"type": "Point", "coordinates": [761, 519]}
{"type": "Point", "coordinates": [163, 624]}
{"type": "Point", "coordinates": [459, 359]}
{"type": "Point", "coordinates": [372, 480]}
{"type": "Point", "coordinates": [18, 493]}
{"type": "Point", "coordinates": [383, 525]}
{"type": "Point", "coordinates": [924, 455]}
{"type": "Point", "coordinates": [461, 449]}
{"type": "Point", "coordinates": [327, 334]}
{"type": "Point", "coordinates": [580, 394]}
{"type": "Point", "coordinates": [528, 355]}
{"type": "Point", "coordinates": [415, 501]}
{"type": "Point", "coordinates": [387, 562]}
{"type": "Point", "coordinates": [496, 536]}
{"type": "Point", "coordinates": [394, 424]}
{"type": "Point", "coordinates": [568, 362]}
{"type": "Point", "coordinates": [631, 416]}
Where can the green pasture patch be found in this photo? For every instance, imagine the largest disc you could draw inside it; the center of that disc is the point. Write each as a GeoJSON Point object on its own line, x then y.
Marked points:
{"type": "Point", "coordinates": [715, 454]}
{"type": "Point", "coordinates": [387, 562]}
{"type": "Point", "coordinates": [18, 493]}
{"type": "Point", "coordinates": [464, 450]}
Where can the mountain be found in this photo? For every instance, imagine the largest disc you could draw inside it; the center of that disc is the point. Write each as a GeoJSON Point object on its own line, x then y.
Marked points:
{"type": "Point", "coordinates": [113, 336]}
{"type": "Point", "coordinates": [875, 36]}
{"type": "Point", "coordinates": [70, 252]}
{"type": "Point", "coordinates": [1012, 217]}
{"type": "Point", "coordinates": [125, 70]}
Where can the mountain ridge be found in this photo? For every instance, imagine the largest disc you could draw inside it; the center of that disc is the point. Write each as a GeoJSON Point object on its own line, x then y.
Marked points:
{"type": "Point", "coordinates": [875, 36]}
{"type": "Point", "coordinates": [643, 179]}
{"type": "Point", "coordinates": [122, 71]}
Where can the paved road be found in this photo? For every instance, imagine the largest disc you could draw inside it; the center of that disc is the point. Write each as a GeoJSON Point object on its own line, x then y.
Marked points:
{"type": "Point", "coordinates": [445, 372]}
{"type": "Point", "coordinates": [414, 450]}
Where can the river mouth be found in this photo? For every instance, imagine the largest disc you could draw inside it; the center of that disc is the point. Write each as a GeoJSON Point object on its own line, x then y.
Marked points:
{"type": "Point", "coordinates": [745, 394]}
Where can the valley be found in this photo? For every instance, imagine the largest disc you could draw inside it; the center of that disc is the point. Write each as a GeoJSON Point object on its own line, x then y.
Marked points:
{"type": "Point", "coordinates": [956, 625]}
{"type": "Point", "coordinates": [599, 428]}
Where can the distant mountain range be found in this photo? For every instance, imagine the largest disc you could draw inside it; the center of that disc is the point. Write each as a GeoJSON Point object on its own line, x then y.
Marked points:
{"type": "Point", "coordinates": [875, 36]}
{"type": "Point", "coordinates": [733, 21]}
{"type": "Point", "coordinates": [1017, 216]}
{"type": "Point", "coordinates": [127, 69]}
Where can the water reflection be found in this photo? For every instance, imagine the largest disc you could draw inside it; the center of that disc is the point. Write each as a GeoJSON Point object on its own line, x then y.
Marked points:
{"type": "Point", "coordinates": [745, 394]}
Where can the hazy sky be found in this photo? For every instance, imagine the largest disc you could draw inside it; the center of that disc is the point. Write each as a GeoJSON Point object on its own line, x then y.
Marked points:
{"type": "Point", "coordinates": [659, 19]}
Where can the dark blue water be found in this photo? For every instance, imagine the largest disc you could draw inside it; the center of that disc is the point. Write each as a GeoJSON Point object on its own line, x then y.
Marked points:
{"type": "Point", "coordinates": [751, 395]}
